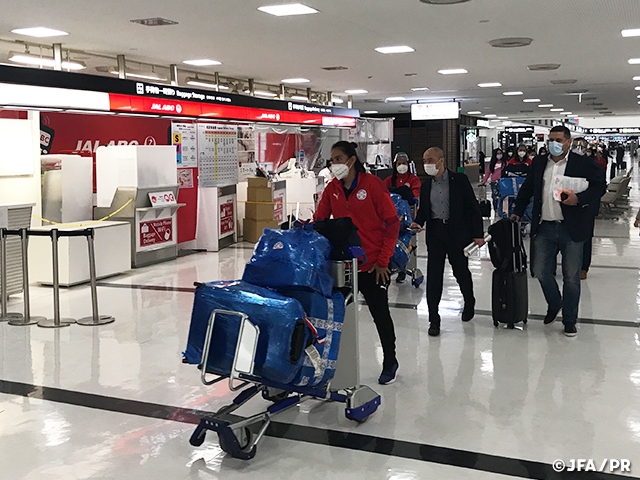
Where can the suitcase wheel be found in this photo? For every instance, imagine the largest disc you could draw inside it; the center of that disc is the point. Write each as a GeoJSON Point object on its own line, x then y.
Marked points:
{"type": "Point", "coordinates": [198, 436]}
{"type": "Point", "coordinates": [418, 278]}
{"type": "Point", "coordinates": [511, 326]}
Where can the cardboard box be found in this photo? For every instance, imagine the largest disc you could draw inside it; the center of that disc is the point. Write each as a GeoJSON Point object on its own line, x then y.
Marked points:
{"type": "Point", "coordinates": [253, 228]}
{"type": "Point", "coordinates": [258, 182]}
{"type": "Point", "coordinates": [261, 194]}
{"type": "Point", "coordinates": [259, 211]}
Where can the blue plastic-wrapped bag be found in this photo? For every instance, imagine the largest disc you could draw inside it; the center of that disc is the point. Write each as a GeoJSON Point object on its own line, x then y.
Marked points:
{"type": "Point", "coordinates": [403, 209]}
{"type": "Point", "coordinates": [326, 316]}
{"type": "Point", "coordinates": [402, 252]}
{"type": "Point", "coordinates": [298, 258]}
{"type": "Point", "coordinates": [281, 320]}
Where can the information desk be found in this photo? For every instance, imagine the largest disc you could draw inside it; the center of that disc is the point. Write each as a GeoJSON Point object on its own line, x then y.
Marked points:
{"type": "Point", "coordinates": [113, 253]}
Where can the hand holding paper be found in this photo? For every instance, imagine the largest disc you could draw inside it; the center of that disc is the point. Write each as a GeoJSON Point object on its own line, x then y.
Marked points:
{"type": "Point", "coordinates": [570, 186]}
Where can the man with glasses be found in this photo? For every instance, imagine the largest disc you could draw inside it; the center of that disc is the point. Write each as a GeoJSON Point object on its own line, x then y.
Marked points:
{"type": "Point", "coordinates": [561, 222]}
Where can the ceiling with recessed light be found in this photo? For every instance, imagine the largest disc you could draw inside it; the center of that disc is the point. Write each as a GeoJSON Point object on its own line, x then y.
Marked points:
{"type": "Point", "coordinates": [583, 37]}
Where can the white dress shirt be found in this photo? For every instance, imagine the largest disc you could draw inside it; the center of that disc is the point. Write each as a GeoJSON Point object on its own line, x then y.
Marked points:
{"type": "Point", "coordinates": [551, 209]}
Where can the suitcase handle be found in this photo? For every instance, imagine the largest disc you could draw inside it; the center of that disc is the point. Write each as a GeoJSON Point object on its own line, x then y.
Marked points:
{"type": "Point", "coordinates": [298, 343]}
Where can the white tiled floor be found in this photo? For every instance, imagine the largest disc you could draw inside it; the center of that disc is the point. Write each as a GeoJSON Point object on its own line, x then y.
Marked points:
{"type": "Point", "coordinates": [528, 393]}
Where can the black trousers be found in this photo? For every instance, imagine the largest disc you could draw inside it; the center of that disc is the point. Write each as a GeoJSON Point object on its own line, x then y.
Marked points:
{"type": "Point", "coordinates": [377, 298]}
{"type": "Point", "coordinates": [441, 244]}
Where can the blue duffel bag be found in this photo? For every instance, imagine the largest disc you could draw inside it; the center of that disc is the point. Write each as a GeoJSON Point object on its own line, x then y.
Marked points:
{"type": "Point", "coordinates": [298, 258]}
{"type": "Point", "coordinates": [402, 252]}
{"type": "Point", "coordinates": [326, 317]}
{"type": "Point", "coordinates": [283, 336]}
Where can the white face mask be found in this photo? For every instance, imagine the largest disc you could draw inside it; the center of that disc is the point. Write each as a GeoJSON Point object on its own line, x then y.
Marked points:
{"type": "Point", "coordinates": [499, 156]}
{"type": "Point", "coordinates": [340, 171]}
{"type": "Point", "coordinates": [431, 169]}
{"type": "Point", "coordinates": [522, 154]}
{"type": "Point", "coordinates": [402, 169]}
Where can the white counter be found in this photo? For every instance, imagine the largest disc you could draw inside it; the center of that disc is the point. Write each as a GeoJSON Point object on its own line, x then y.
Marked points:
{"type": "Point", "coordinates": [112, 247]}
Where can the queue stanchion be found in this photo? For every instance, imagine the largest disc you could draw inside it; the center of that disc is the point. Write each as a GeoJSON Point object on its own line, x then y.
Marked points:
{"type": "Point", "coordinates": [96, 319]}
{"type": "Point", "coordinates": [4, 295]}
{"type": "Point", "coordinates": [56, 321]}
{"type": "Point", "coordinates": [26, 319]}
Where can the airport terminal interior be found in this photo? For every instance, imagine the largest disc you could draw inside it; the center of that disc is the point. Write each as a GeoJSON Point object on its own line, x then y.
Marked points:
{"type": "Point", "coordinates": [145, 146]}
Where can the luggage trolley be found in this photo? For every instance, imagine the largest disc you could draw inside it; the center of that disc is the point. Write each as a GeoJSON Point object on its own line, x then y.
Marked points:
{"type": "Point", "coordinates": [417, 277]}
{"type": "Point", "coordinates": [240, 437]}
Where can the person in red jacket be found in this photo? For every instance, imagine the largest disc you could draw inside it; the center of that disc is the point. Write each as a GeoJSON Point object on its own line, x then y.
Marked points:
{"type": "Point", "coordinates": [364, 198]}
{"type": "Point", "coordinates": [401, 177]}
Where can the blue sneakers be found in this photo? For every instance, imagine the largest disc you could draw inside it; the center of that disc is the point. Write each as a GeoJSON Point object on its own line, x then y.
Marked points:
{"type": "Point", "coordinates": [388, 375]}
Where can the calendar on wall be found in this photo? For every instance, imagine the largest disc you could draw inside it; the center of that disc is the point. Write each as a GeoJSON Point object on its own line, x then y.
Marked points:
{"type": "Point", "coordinates": [217, 155]}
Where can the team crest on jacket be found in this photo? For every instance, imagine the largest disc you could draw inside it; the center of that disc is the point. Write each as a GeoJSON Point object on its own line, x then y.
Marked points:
{"type": "Point", "coordinates": [362, 194]}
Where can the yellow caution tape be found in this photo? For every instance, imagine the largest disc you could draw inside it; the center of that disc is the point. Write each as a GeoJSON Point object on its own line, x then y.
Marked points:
{"type": "Point", "coordinates": [93, 222]}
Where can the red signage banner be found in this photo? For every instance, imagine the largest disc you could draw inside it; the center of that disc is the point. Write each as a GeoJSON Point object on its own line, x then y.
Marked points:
{"type": "Point", "coordinates": [227, 219]}
{"type": "Point", "coordinates": [156, 232]}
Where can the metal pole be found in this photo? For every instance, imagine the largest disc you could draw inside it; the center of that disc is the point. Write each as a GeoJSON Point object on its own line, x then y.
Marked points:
{"type": "Point", "coordinates": [252, 87]}
{"type": "Point", "coordinates": [122, 67]}
{"type": "Point", "coordinates": [26, 319]}
{"type": "Point", "coordinates": [350, 101]}
{"type": "Point", "coordinates": [309, 95]}
{"type": "Point", "coordinates": [56, 321]}
{"type": "Point", "coordinates": [216, 77]}
{"type": "Point", "coordinates": [96, 318]}
{"type": "Point", "coordinates": [4, 295]}
{"type": "Point", "coordinates": [174, 74]}
{"type": "Point", "coordinates": [282, 92]}
{"type": "Point", "coordinates": [57, 56]}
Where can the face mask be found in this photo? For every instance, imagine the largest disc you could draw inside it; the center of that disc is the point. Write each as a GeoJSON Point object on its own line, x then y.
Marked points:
{"type": "Point", "coordinates": [577, 150]}
{"type": "Point", "coordinates": [402, 169]}
{"type": "Point", "coordinates": [340, 171]}
{"type": "Point", "coordinates": [431, 169]}
{"type": "Point", "coordinates": [555, 149]}
{"type": "Point", "coordinates": [499, 156]}
{"type": "Point", "coordinates": [522, 154]}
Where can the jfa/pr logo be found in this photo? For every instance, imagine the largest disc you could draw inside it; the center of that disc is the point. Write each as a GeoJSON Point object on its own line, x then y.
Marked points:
{"type": "Point", "coordinates": [608, 465]}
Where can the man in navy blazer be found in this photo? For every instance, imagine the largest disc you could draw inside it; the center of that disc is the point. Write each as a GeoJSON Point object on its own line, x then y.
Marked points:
{"type": "Point", "coordinates": [560, 225]}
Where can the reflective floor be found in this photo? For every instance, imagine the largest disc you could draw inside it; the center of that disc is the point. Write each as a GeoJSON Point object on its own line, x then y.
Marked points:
{"type": "Point", "coordinates": [478, 400]}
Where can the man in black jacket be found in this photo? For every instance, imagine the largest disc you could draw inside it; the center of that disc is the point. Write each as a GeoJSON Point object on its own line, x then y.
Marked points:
{"type": "Point", "coordinates": [561, 222]}
{"type": "Point", "coordinates": [450, 210]}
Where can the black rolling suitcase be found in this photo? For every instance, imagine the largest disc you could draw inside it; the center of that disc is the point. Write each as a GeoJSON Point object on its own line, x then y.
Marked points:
{"type": "Point", "coordinates": [509, 293]}
{"type": "Point", "coordinates": [485, 208]}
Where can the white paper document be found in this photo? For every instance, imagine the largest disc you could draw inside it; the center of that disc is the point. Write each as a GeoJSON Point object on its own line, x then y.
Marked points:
{"type": "Point", "coordinates": [562, 183]}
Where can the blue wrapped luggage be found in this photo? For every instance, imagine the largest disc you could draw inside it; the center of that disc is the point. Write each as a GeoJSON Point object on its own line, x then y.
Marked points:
{"type": "Point", "coordinates": [403, 209]}
{"type": "Point", "coordinates": [297, 258]}
{"type": "Point", "coordinates": [281, 320]}
{"type": "Point", "coordinates": [402, 253]}
{"type": "Point", "coordinates": [326, 316]}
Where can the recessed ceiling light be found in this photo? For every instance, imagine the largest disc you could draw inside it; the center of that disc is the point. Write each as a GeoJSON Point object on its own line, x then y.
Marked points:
{"type": "Point", "coordinates": [356, 92]}
{"type": "Point", "coordinates": [295, 80]}
{"type": "Point", "coordinates": [452, 71]}
{"type": "Point", "coordinates": [394, 99]}
{"type": "Point", "coordinates": [638, 88]}
{"type": "Point", "coordinates": [287, 10]}
{"type": "Point", "coordinates": [204, 62]}
{"type": "Point", "coordinates": [531, 100]}
{"type": "Point", "coordinates": [489, 85]}
{"type": "Point", "coordinates": [633, 32]}
{"type": "Point", "coordinates": [396, 49]}
{"type": "Point", "coordinates": [636, 78]}
{"type": "Point", "coordinates": [634, 61]}
{"type": "Point", "coordinates": [503, 118]}
{"type": "Point", "coordinates": [511, 42]}
{"type": "Point", "coordinates": [370, 112]}
{"type": "Point", "coordinates": [490, 115]}
{"type": "Point", "coordinates": [419, 89]}
{"type": "Point", "coordinates": [568, 113]}
{"type": "Point", "coordinates": [557, 109]}
{"type": "Point", "coordinates": [546, 105]}
{"type": "Point", "coordinates": [39, 32]}
{"type": "Point", "coordinates": [474, 113]}
{"type": "Point", "coordinates": [510, 94]}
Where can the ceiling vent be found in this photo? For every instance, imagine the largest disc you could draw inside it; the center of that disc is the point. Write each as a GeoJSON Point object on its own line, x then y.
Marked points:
{"type": "Point", "coordinates": [594, 104]}
{"type": "Point", "coordinates": [410, 74]}
{"type": "Point", "coordinates": [511, 42]}
{"type": "Point", "coordinates": [370, 100]}
{"type": "Point", "coordinates": [332, 69]}
{"type": "Point", "coordinates": [600, 108]}
{"type": "Point", "coordinates": [543, 67]}
{"type": "Point", "coordinates": [607, 113]}
{"type": "Point", "coordinates": [443, 2]}
{"type": "Point", "coordinates": [526, 111]}
{"type": "Point", "coordinates": [567, 81]}
{"type": "Point", "coordinates": [589, 97]}
{"type": "Point", "coordinates": [154, 22]}
{"type": "Point", "coordinates": [576, 92]}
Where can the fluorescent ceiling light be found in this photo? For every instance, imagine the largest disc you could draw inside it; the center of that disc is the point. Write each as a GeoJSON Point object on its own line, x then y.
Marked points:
{"type": "Point", "coordinates": [300, 98]}
{"type": "Point", "coordinates": [634, 61]}
{"type": "Point", "coordinates": [337, 100]}
{"type": "Point", "coordinates": [509, 94]}
{"type": "Point", "coordinates": [568, 113]}
{"type": "Point", "coordinates": [394, 99]}
{"type": "Point", "coordinates": [633, 32]}
{"type": "Point", "coordinates": [295, 80]}
{"type": "Point", "coordinates": [531, 100]}
{"type": "Point", "coordinates": [452, 71]}
{"type": "Point", "coordinates": [635, 79]}
{"type": "Point", "coordinates": [198, 82]}
{"type": "Point", "coordinates": [474, 113]}
{"type": "Point", "coordinates": [204, 62]}
{"type": "Point", "coordinates": [419, 89]}
{"type": "Point", "coordinates": [396, 49]}
{"type": "Point", "coordinates": [546, 105]}
{"type": "Point", "coordinates": [557, 110]}
{"type": "Point", "coordinates": [371, 112]}
{"type": "Point", "coordinates": [287, 10]}
{"type": "Point", "coordinates": [503, 118]}
{"type": "Point", "coordinates": [491, 115]}
{"type": "Point", "coordinates": [263, 93]}
{"type": "Point", "coordinates": [637, 88]}
{"type": "Point", "coordinates": [356, 92]}
{"type": "Point", "coordinates": [489, 85]}
{"type": "Point", "coordinates": [40, 32]}
{"type": "Point", "coordinates": [28, 59]}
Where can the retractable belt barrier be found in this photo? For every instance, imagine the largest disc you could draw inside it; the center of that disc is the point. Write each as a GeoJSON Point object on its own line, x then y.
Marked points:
{"type": "Point", "coordinates": [26, 318]}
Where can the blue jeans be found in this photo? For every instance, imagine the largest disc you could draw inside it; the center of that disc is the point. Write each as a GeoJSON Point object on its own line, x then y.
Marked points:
{"type": "Point", "coordinates": [550, 239]}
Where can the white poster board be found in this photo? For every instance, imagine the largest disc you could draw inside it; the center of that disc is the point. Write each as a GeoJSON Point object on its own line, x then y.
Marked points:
{"type": "Point", "coordinates": [217, 155]}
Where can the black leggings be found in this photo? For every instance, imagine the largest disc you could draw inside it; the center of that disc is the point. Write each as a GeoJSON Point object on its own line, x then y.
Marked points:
{"type": "Point", "coordinates": [377, 298]}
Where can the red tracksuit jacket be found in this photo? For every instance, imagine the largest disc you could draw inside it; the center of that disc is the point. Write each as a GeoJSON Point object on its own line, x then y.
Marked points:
{"type": "Point", "coordinates": [371, 210]}
{"type": "Point", "coordinates": [408, 179]}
